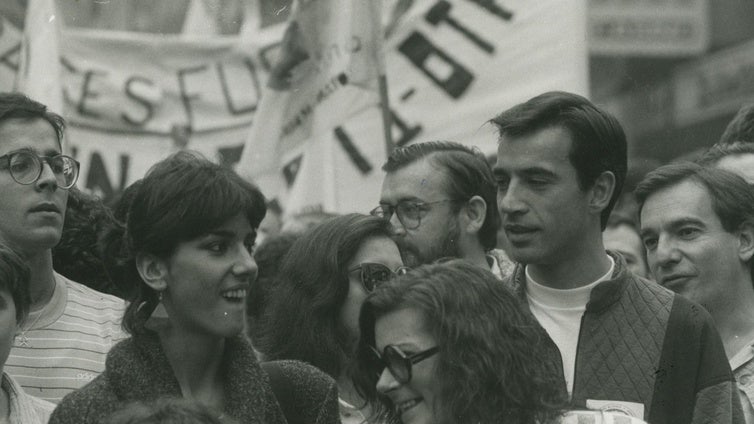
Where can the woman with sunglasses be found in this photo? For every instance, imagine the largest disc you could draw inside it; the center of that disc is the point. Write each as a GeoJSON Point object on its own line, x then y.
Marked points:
{"type": "Point", "coordinates": [448, 344]}
{"type": "Point", "coordinates": [187, 248]}
{"type": "Point", "coordinates": [325, 277]}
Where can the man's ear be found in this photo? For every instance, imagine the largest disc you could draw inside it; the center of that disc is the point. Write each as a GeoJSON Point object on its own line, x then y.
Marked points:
{"type": "Point", "coordinates": [602, 191]}
{"type": "Point", "coordinates": [474, 213]}
{"type": "Point", "coordinates": [153, 271]}
{"type": "Point", "coordinates": [746, 241]}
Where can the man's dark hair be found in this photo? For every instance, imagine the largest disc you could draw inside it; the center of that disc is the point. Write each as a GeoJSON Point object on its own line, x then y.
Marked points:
{"type": "Point", "coordinates": [732, 197]}
{"type": "Point", "coordinates": [598, 141]}
{"type": "Point", "coordinates": [467, 174]}
{"type": "Point", "coordinates": [18, 106]}
{"type": "Point", "coordinates": [719, 151]}
{"type": "Point", "coordinates": [741, 127]}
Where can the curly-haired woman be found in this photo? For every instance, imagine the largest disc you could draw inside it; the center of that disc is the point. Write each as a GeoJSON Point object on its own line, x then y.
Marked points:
{"type": "Point", "coordinates": [448, 344]}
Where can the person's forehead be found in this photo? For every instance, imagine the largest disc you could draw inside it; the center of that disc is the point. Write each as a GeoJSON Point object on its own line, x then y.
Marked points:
{"type": "Point", "coordinates": [404, 326]}
{"type": "Point", "coordinates": [550, 145]}
{"type": "Point", "coordinates": [420, 180]}
{"type": "Point", "coordinates": [686, 200]}
{"type": "Point", "coordinates": [34, 134]}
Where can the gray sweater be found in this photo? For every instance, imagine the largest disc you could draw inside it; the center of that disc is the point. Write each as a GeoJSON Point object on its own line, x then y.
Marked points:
{"type": "Point", "coordinates": [137, 369]}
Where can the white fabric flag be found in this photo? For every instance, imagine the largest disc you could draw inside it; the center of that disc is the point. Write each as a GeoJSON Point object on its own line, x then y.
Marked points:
{"type": "Point", "coordinates": [326, 75]}
{"type": "Point", "coordinates": [39, 66]}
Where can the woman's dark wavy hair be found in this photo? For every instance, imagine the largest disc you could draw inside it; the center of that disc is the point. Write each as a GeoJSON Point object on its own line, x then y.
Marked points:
{"type": "Point", "coordinates": [495, 365]}
{"type": "Point", "coordinates": [180, 198]}
{"type": "Point", "coordinates": [14, 277]}
{"type": "Point", "coordinates": [78, 255]}
{"type": "Point", "coordinates": [302, 320]}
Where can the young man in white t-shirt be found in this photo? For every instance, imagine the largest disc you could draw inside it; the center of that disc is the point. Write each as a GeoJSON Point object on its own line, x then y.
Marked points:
{"type": "Point", "coordinates": [626, 344]}
{"type": "Point", "coordinates": [70, 328]}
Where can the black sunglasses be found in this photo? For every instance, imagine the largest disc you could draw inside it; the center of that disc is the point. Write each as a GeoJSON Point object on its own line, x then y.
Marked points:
{"type": "Point", "coordinates": [373, 274]}
{"type": "Point", "coordinates": [398, 363]}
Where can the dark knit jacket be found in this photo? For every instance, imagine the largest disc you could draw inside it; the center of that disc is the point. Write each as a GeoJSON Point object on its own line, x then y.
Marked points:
{"type": "Point", "coordinates": [640, 342]}
{"type": "Point", "coordinates": [137, 369]}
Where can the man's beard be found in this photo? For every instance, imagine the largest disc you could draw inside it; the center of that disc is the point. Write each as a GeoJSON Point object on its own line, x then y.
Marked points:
{"type": "Point", "coordinates": [446, 247]}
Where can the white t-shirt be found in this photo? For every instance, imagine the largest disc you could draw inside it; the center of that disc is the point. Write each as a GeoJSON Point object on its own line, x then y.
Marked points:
{"type": "Point", "coordinates": [560, 312]}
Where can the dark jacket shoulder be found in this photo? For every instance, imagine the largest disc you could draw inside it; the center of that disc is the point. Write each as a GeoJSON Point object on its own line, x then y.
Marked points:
{"type": "Point", "coordinates": [314, 394]}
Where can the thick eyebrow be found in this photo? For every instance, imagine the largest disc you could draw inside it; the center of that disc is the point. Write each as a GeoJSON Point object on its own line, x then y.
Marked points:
{"type": "Point", "coordinates": [228, 234]}
{"type": "Point", "coordinates": [48, 152]}
{"type": "Point", "coordinates": [675, 225]}
{"type": "Point", "coordinates": [687, 221]}
{"type": "Point", "coordinates": [538, 172]}
{"type": "Point", "coordinates": [528, 172]}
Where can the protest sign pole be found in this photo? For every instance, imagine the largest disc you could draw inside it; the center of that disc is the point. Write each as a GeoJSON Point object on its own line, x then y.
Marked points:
{"type": "Point", "coordinates": [386, 116]}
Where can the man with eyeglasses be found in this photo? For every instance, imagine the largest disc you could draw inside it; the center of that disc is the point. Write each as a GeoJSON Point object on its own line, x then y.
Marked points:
{"type": "Point", "coordinates": [440, 198]}
{"type": "Point", "coordinates": [626, 343]}
{"type": "Point", "coordinates": [62, 344]}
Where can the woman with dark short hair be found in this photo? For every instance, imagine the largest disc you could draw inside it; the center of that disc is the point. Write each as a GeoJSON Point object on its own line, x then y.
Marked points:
{"type": "Point", "coordinates": [188, 241]}
{"type": "Point", "coordinates": [448, 344]}
{"type": "Point", "coordinates": [314, 306]}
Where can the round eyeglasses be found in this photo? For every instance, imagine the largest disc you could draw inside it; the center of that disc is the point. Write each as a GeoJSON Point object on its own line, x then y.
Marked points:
{"type": "Point", "coordinates": [26, 167]}
{"type": "Point", "coordinates": [374, 274]}
{"type": "Point", "coordinates": [409, 212]}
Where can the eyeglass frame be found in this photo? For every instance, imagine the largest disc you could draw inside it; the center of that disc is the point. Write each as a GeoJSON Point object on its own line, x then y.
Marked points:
{"type": "Point", "coordinates": [407, 361]}
{"type": "Point", "coordinates": [42, 160]}
{"type": "Point", "coordinates": [401, 270]}
{"type": "Point", "coordinates": [380, 213]}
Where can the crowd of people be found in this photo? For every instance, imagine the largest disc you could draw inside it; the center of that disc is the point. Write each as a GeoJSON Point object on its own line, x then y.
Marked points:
{"type": "Point", "coordinates": [473, 293]}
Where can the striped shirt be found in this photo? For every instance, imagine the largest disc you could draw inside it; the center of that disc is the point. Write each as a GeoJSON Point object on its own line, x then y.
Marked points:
{"type": "Point", "coordinates": [24, 409]}
{"type": "Point", "coordinates": [66, 342]}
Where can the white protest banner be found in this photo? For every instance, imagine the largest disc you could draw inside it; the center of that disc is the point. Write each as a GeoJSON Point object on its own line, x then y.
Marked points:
{"type": "Point", "coordinates": [134, 98]}
{"type": "Point", "coordinates": [453, 65]}
{"type": "Point", "coordinates": [131, 99]}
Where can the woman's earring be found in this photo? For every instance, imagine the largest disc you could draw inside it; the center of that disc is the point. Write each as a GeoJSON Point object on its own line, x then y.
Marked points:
{"type": "Point", "coordinates": [159, 317]}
